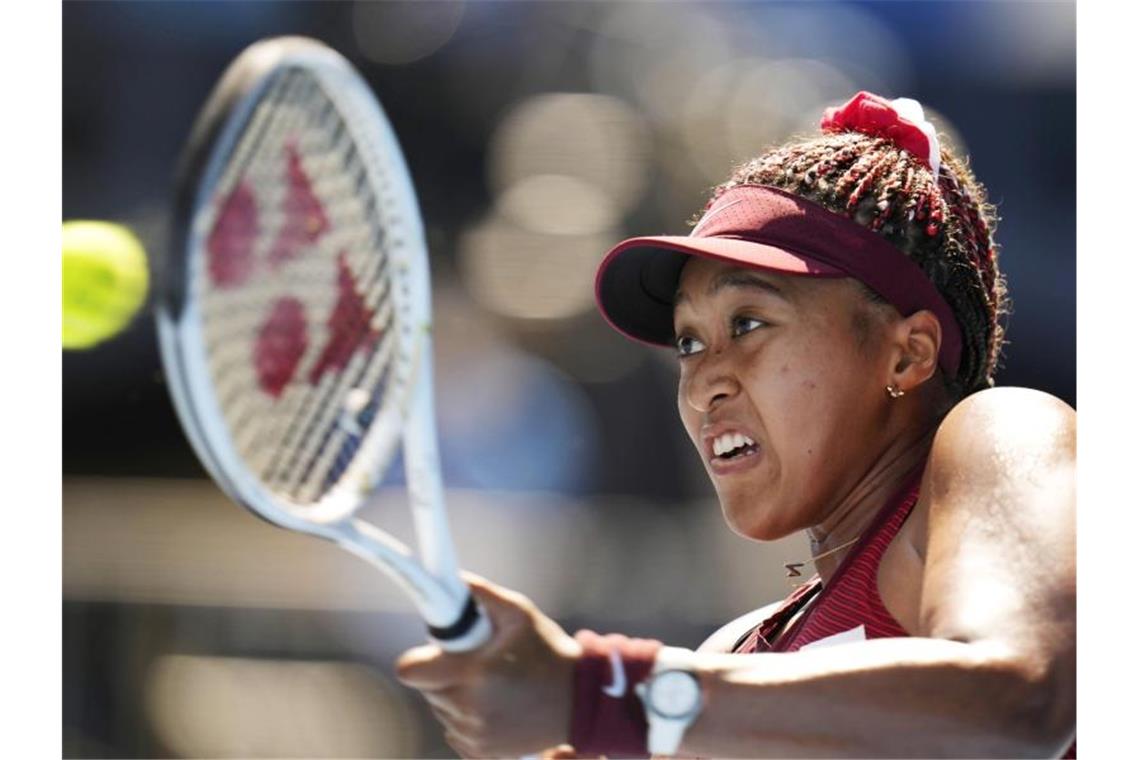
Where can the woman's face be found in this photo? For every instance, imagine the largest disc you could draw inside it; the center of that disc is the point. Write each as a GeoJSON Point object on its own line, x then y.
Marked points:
{"type": "Point", "coordinates": [793, 367]}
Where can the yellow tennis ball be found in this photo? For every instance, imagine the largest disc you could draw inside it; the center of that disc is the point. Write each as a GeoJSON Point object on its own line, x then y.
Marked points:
{"type": "Point", "coordinates": [104, 281]}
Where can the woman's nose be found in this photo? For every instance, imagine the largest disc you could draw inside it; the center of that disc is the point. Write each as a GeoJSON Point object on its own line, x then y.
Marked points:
{"type": "Point", "coordinates": [712, 383]}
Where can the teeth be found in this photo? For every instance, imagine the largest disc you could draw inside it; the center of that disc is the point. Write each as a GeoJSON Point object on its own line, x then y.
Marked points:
{"type": "Point", "coordinates": [725, 443]}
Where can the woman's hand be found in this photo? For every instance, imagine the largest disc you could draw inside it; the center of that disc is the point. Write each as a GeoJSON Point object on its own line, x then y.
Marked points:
{"type": "Point", "coordinates": [512, 696]}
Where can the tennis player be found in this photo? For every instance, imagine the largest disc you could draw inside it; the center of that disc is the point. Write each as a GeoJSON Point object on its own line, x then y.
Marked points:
{"type": "Point", "coordinates": [837, 316]}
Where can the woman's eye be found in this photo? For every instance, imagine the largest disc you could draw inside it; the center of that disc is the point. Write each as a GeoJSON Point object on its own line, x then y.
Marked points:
{"type": "Point", "coordinates": [688, 345]}
{"type": "Point", "coordinates": [742, 325]}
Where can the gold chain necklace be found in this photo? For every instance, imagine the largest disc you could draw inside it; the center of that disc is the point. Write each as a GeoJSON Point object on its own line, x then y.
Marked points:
{"type": "Point", "coordinates": [793, 568]}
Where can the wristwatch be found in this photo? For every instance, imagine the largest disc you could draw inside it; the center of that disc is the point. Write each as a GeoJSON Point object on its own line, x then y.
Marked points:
{"type": "Point", "coordinates": [672, 697]}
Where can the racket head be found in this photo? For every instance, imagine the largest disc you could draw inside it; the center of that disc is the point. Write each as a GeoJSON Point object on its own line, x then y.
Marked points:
{"type": "Point", "coordinates": [296, 305]}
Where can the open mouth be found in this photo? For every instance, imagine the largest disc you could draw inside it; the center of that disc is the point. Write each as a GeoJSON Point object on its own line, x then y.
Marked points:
{"type": "Point", "coordinates": [731, 446]}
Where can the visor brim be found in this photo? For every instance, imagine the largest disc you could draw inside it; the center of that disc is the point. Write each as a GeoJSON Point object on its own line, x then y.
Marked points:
{"type": "Point", "coordinates": [637, 280]}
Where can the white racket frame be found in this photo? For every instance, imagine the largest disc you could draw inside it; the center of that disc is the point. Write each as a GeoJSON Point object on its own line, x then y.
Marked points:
{"type": "Point", "coordinates": [432, 580]}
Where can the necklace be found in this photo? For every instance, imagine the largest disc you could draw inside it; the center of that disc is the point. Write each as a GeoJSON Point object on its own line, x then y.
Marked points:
{"type": "Point", "coordinates": [793, 568]}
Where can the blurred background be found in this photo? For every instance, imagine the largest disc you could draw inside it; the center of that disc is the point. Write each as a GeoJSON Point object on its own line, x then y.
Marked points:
{"type": "Point", "coordinates": [537, 134]}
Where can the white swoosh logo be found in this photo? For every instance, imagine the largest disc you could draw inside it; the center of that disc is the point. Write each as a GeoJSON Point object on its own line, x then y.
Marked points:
{"type": "Point", "coordinates": [617, 687]}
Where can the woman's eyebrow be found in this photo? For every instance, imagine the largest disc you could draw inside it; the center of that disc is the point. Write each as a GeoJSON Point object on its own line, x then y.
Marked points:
{"type": "Point", "coordinates": [736, 278]}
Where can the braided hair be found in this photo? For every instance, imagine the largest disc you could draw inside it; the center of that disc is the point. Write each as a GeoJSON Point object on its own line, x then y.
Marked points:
{"type": "Point", "coordinates": [944, 224]}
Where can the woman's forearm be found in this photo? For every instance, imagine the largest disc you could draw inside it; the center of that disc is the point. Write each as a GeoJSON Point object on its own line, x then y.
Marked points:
{"type": "Point", "coordinates": [915, 697]}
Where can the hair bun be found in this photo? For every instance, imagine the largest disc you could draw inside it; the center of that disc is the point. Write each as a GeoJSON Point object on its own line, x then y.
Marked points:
{"type": "Point", "coordinates": [901, 121]}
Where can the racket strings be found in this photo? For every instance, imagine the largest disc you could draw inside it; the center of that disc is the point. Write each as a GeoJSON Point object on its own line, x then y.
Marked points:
{"type": "Point", "coordinates": [322, 428]}
{"type": "Point", "coordinates": [312, 428]}
{"type": "Point", "coordinates": [301, 328]}
{"type": "Point", "coordinates": [304, 407]}
{"type": "Point", "coordinates": [319, 413]}
{"type": "Point", "coordinates": [327, 457]}
{"type": "Point", "coordinates": [316, 415]}
{"type": "Point", "coordinates": [246, 313]}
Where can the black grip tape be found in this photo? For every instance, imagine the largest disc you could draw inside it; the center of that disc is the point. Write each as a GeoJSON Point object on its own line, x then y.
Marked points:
{"type": "Point", "coordinates": [467, 619]}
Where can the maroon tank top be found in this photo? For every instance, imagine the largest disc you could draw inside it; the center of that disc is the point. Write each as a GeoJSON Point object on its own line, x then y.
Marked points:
{"type": "Point", "coordinates": [851, 601]}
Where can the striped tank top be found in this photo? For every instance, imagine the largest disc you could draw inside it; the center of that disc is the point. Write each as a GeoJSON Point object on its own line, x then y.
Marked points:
{"type": "Point", "coordinates": [850, 604]}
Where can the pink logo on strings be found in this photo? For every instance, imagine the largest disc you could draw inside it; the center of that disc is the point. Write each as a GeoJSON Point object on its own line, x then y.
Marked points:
{"type": "Point", "coordinates": [305, 219]}
{"type": "Point", "coordinates": [283, 336]}
{"type": "Point", "coordinates": [281, 342]}
{"type": "Point", "coordinates": [231, 241]}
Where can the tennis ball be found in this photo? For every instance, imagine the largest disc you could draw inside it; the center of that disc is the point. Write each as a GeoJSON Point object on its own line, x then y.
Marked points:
{"type": "Point", "coordinates": [104, 281]}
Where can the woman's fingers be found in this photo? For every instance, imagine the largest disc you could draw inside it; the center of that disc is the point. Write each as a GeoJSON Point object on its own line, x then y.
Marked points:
{"type": "Point", "coordinates": [429, 668]}
{"type": "Point", "coordinates": [512, 695]}
{"type": "Point", "coordinates": [505, 608]}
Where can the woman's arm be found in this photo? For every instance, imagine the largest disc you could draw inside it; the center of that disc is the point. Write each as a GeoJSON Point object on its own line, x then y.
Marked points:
{"type": "Point", "coordinates": [991, 672]}
{"type": "Point", "coordinates": [916, 697]}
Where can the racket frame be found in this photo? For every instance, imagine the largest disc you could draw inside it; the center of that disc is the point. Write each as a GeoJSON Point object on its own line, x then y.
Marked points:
{"type": "Point", "coordinates": [441, 597]}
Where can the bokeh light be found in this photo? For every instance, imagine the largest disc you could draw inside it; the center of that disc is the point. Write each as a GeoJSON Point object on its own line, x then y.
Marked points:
{"type": "Point", "coordinates": [203, 706]}
{"type": "Point", "coordinates": [524, 274]}
{"type": "Point", "coordinates": [565, 168]}
{"type": "Point", "coordinates": [656, 59]}
{"type": "Point", "coordinates": [558, 204]}
{"type": "Point", "coordinates": [403, 31]}
{"type": "Point", "coordinates": [596, 139]}
{"type": "Point", "coordinates": [747, 105]}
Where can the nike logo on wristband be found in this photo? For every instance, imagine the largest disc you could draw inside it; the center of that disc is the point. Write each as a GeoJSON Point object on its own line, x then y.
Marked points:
{"type": "Point", "coordinates": [616, 688]}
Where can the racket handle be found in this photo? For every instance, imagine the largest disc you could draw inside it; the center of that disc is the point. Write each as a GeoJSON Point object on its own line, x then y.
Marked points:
{"type": "Point", "coordinates": [454, 620]}
{"type": "Point", "coordinates": [470, 631]}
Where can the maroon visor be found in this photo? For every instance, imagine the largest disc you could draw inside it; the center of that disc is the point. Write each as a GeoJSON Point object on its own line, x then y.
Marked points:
{"type": "Point", "coordinates": [763, 227]}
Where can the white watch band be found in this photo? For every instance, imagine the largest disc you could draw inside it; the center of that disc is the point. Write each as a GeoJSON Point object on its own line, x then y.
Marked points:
{"type": "Point", "coordinates": [666, 733]}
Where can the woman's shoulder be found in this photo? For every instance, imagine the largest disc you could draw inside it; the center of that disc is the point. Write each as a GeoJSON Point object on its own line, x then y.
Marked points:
{"type": "Point", "coordinates": [998, 446]}
{"type": "Point", "coordinates": [1010, 398]}
{"type": "Point", "coordinates": [1006, 456]}
{"type": "Point", "coordinates": [998, 428]}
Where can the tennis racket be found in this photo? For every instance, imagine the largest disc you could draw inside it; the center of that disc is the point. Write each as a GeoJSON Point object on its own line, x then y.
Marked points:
{"type": "Point", "coordinates": [295, 317]}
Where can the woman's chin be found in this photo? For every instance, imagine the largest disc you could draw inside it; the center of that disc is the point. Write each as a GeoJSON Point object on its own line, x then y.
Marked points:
{"type": "Point", "coordinates": [755, 522]}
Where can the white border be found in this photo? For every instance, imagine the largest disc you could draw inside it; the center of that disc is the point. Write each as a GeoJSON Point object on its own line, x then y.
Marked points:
{"type": "Point", "coordinates": [31, 562]}
{"type": "Point", "coordinates": [1107, 504]}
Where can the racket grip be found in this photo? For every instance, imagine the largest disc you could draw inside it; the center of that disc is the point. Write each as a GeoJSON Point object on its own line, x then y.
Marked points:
{"type": "Point", "coordinates": [453, 617]}
{"type": "Point", "coordinates": [470, 630]}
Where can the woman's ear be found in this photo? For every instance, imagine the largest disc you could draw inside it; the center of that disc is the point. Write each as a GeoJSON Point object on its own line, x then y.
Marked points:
{"type": "Point", "coordinates": [917, 341]}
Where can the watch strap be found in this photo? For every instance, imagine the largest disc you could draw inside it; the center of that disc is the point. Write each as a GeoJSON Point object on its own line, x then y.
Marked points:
{"type": "Point", "coordinates": [665, 734]}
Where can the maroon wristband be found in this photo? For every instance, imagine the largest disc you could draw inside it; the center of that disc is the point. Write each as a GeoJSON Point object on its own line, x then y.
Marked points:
{"type": "Point", "coordinates": [608, 717]}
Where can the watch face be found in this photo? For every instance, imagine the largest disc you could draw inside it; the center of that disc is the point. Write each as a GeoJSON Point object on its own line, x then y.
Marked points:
{"type": "Point", "coordinates": [674, 694]}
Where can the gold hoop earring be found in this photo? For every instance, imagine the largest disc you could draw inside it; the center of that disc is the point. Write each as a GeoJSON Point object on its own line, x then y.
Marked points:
{"type": "Point", "coordinates": [894, 391]}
